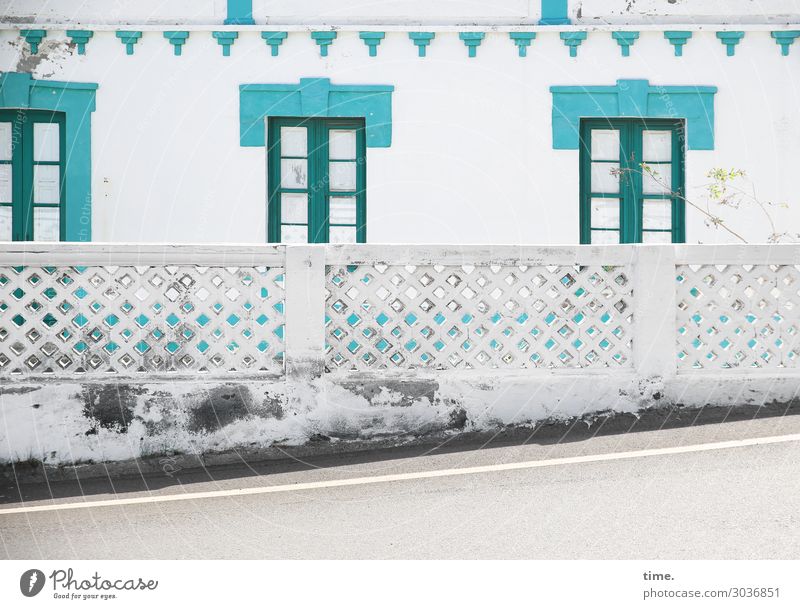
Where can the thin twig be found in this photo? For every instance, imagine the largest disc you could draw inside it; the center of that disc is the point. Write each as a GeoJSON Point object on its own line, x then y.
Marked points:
{"type": "Point", "coordinates": [715, 220]}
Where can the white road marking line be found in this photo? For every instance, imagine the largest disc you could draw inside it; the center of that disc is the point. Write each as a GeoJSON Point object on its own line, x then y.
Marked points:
{"type": "Point", "coordinates": [440, 473]}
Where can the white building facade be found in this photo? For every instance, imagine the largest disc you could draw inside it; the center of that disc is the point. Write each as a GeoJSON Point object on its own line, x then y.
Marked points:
{"type": "Point", "coordinates": [402, 121]}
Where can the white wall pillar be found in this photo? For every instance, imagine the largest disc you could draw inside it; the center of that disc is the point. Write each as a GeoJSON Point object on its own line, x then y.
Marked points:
{"type": "Point", "coordinates": [654, 315]}
{"type": "Point", "coordinates": [305, 311]}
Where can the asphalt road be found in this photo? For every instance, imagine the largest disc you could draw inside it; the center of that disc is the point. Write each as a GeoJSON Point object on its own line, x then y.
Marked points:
{"type": "Point", "coordinates": [730, 503]}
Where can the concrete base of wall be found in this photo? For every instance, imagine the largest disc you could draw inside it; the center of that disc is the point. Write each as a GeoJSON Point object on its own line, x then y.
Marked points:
{"type": "Point", "coordinates": [58, 422]}
{"type": "Point", "coordinates": [325, 451]}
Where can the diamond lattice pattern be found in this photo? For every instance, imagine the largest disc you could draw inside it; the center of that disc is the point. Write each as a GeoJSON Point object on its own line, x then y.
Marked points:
{"type": "Point", "coordinates": [738, 316]}
{"type": "Point", "coordinates": [140, 319]}
{"type": "Point", "coordinates": [462, 317]}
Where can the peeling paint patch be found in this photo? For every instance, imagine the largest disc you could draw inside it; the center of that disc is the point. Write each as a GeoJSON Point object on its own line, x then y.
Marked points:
{"type": "Point", "coordinates": [48, 61]}
{"type": "Point", "coordinates": [402, 392]}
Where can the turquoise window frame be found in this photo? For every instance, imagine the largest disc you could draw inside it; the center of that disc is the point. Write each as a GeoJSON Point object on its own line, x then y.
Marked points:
{"type": "Point", "coordinates": [239, 12]}
{"type": "Point", "coordinates": [22, 169]}
{"type": "Point", "coordinates": [318, 98]}
{"type": "Point", "coordinates": [76, 101]}
{"type": "Point", "coordinates": [555, 12]}
{"type": "Point", "coordinates": [633, 98]}
{"type": "Point", "coordinates": [630, 189]}
{"type": "Point", "coordinates": [318, 180]}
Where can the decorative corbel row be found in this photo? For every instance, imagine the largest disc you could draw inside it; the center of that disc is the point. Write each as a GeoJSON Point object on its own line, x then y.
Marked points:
{"type": "Point", "coordinates": [677, 39]}
{"type": "Point", "coordinates": [129, 38]}
{"type": "Point", "coordinates": [80, 38]}
{"type": "Point", "coordinates": [472, 40]}
{"type": "Point", "coordinates": [730, 40]}
{"type": "Point", "coordinates": [33, 38]}
{"type": "Point", "coordinates": [785, 39]}
{"type": "Point", "coordinates": [324, 40]}
{"type": "Point", "coordinates": [274, 40]}
{"type": "Point", "coordinates": [372, 40]}
{"type": "Point", "coordinates": [421, 40]}
{"type": "Point", "coordinates": [572, 39]}
{"type": "Point", "coordinates": [625, 41]}
{"type": "Point", "coordinates": [225, 40]}
{"type": "Point", "coordinates": [177, 40]}
{"type": "Point", "coordinates": [523, 41]}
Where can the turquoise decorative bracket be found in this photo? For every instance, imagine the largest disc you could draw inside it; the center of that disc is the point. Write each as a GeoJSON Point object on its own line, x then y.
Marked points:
{"type": "Point", "coordinates": [678, 39]}
{"type": "Point", "coordinates": [177, 40]}
{"type": "Point", "coordinates": [421, 40]}
{"type": "Point", "coordinates": [372, 40]}
{"type": "Point", "coordinates": [637, 99]}
{"type": "Point", "coordinates": [573, 40]}
{"type": "Point", "coordinates": [786, 39]}
{"type": "Point", "coordinates": [77, 101]}
{"type": "Point", "coordinates": [315, 97]}
{"type": "Point", "coordinates": [324, 40]}
{"type": "Point", "coordinates": [554, 12]}
{"type": "Point", "coordinates": [730, 40]}
{"type": "Point", "coordinates": [240, 12]}
{"type": "Point", "coordinates": [523, 41]}
{"type": "Point", "coordinates": [472, 40]}
{"type": "Point", "coordinates": [225, 40]}
{"type": "Point", "coordinates": [80, 38]}
{"type": "Point", "coordinates": [129, 38]}
{"type": "Point", "coordinates": [625, 41]}
{"type": "Point", "coordinates": [33, 38]}
{"type": "Point", "coordinates": [274, 40]}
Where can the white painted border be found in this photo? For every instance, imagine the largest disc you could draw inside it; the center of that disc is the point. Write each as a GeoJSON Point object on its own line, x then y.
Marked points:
{"type": "Point", "coordinates": [766, 253]}
{"type": "Point", "coordinates": [506, 255]}
{"type": "Point", "coordinates": [474, 26]}
{"type": "Point", "coordinates": [144, 254]}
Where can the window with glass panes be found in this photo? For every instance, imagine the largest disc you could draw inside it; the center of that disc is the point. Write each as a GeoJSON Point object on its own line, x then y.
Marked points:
{"type": "Point", "coordinates": [317, 177]}
{"type": "Point", "coordinates": [31, 175]}
{"type": "Point", "coordinates": [631, 181]}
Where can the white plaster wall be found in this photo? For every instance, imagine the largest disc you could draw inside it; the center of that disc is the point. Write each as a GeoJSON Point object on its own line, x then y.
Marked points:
{"type": "Point", "coordinates": [471, 159]}
{"type": "Point", "coordinates": [686, 11]}
{"type": "Point", "coordinates": [268, 11]}
{"type": "Point", "coordinates": [396, 11]}
{"type": "Point", "coordinates": [113, 11]}
{"type": "Point", "coordinates": [401, 11]}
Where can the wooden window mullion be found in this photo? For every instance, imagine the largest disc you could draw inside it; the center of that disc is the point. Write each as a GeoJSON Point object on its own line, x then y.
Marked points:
{"type": "Point", "coordinates": [635, 200]}
{"type": "Point", "coordinates": [678, 168]}
{"type": "Point", "coordinates": [15, 117]}
{"type": "Point", "coordinates": [321, 182]}
{"type": "Point", "coordinates": [26, 208]}
{"type": "Point", "coordinates": [361, 185]}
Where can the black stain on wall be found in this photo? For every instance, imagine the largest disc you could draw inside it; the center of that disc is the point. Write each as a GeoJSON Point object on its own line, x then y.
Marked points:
{"type": "Point", "coordinates": [110, 406]}
{"type": "Point", "coordinates": [458, 418]}
{"type": "Point", "coordinates": [222, 406]}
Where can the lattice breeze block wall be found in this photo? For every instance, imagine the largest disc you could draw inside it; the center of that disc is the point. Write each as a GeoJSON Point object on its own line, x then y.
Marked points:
{"type": "Point", "coordinates": [126, 319]}
{"type": "Point", "coordinates": [479, 317]}
{"type": "Point", "coordinates": [738, 316]}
